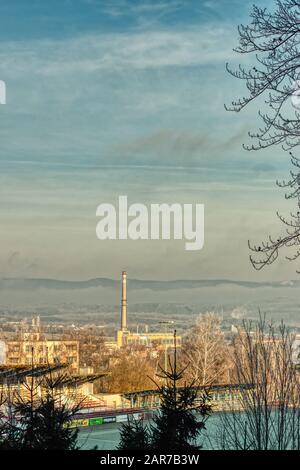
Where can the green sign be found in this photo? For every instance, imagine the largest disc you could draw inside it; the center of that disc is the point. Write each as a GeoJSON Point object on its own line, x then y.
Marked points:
{"type": "Point", "coordinates": [95, 421]}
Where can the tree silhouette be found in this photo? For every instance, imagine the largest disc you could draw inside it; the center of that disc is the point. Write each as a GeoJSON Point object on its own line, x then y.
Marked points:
{"type": "Point", "coordinates": [180, 419]}
{"type": "Point", "coordinates": [134, 435]}
{"type": "Point", "coordinates": [268, 416]}
{"type": "Point", "coordinates": [38, 417]}
{"type": "Point", "coordinates": [272, 40]}
{"type": "Point", "coordinates": [182, 414]}
{"type": "Point", "coordinates": [45, 426]}
{"type": "Point", "coordinates": [267, 252]}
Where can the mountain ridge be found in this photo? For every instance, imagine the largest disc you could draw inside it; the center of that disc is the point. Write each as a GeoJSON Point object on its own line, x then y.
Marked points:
{"type": "Point", "coordinates": [104, 282]}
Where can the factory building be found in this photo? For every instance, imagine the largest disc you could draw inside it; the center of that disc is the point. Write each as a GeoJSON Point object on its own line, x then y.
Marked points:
{"type": "Point", "coordinates": [158, 340]}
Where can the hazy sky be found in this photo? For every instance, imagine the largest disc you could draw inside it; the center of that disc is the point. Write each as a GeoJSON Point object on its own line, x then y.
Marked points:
{"type": "Point", "coordinates": [126, 97]}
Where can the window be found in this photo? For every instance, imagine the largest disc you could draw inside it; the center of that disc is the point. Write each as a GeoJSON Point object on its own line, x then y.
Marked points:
{"type": "Point", "coordinates": [14, 360]}
{"type": "Point", "coordinates": [71, 360]}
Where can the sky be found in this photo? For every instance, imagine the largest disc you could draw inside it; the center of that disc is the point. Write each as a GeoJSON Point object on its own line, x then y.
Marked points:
{"type": "Point", "coordinates": [109, 98]}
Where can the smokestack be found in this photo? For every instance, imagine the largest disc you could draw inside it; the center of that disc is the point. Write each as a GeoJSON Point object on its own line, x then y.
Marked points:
{"type": "Point", "coordinates": [124, 303]}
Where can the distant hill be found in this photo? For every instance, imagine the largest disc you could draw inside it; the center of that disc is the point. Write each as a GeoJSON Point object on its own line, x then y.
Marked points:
{"type": "Point", "coordinates": [98, 300]}
{"type": "Point", "coordinates": [31, 283]}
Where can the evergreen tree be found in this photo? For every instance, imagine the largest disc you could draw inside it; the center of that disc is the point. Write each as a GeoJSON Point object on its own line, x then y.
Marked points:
{"type": "Point", "coordinates": [10, 432]}
{"type": "Point", "coordinates": [40, 420]}
{"type": "Point", "coordinates": [46, 426]}
{"type": "Point", "coordinates": [182, 413]}
{"type": "Point", "coordinates": [179, 421]}
{"type": "Point", "coordinates": [134, 435]}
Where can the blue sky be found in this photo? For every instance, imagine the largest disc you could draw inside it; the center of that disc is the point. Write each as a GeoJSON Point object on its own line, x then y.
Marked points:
{"type": "Point", "coordinates": [29, 19]}
{"type": "Point", "coordinates": [126, 97]}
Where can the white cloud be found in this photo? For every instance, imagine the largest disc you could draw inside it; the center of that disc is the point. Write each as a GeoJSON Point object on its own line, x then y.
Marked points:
{"type": "Point", "coordinates": [120, 8]}
{"type": "Point", "coordinates": [116, 51]}
{"type": "Point", "coordinates": [123, 100]}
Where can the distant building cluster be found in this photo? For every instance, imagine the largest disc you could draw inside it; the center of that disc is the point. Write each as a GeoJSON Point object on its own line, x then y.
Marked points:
{"type": "Point", "coordinates": [28, 348]}
{"type": "Point", "coordinates": [156, 340]}
{"type": "Point", "coordinates": [34, 348]}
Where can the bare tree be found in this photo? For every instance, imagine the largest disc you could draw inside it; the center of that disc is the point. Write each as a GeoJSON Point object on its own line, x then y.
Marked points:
{"type": "Point", "coordinates": [130, 371]}
{"type": "Point", "coordinates": [267, 252]}
{"type": "Point", "coordinates": [268, 414]}
{"type": "Point", "coordinates": [205, 350]}
{"type": "Point", "coordinates": [272, 40]}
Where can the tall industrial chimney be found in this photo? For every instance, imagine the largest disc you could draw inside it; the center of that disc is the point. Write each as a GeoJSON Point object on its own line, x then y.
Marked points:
{"type": "Point", "coordinates": [124, 303]}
